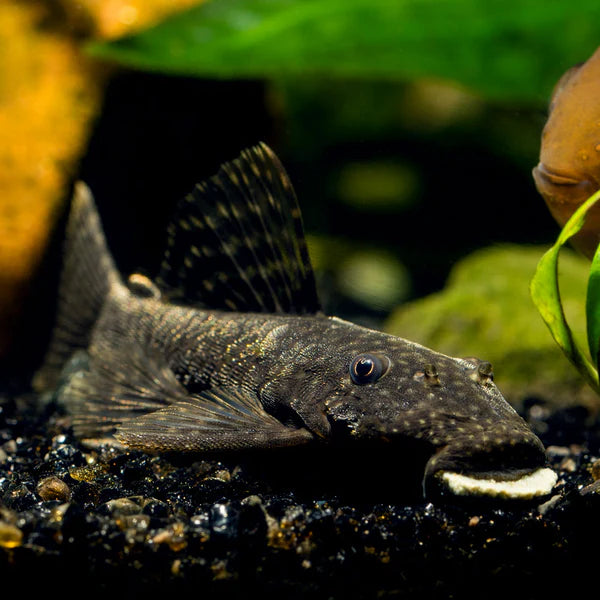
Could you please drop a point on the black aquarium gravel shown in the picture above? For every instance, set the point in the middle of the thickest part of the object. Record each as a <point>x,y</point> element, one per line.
<point>105,523</point>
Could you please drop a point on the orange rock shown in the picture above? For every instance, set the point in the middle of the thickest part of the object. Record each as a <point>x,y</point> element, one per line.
<point>47,97</point>
<point>569,169</point>
<point>49,94</point>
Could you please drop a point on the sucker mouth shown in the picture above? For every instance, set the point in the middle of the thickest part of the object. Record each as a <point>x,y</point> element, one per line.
<point>536,483</point>
<point>516,469</point>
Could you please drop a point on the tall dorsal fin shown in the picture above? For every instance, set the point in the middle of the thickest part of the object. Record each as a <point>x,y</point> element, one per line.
<point>237,242</point>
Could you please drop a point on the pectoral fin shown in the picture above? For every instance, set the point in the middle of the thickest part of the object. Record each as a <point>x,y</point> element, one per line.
<point>132,395</point>
<point>217,419</point>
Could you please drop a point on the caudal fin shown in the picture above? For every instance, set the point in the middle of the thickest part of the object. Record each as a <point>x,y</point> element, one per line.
<point>87,275</point>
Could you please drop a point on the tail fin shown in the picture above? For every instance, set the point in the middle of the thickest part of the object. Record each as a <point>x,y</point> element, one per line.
<point>87,275</point>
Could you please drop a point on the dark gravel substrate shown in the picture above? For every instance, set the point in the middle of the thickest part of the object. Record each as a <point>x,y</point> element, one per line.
<point>75,522</point>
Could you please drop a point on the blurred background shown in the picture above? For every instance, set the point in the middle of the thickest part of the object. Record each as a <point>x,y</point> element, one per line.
<point>409,129</point>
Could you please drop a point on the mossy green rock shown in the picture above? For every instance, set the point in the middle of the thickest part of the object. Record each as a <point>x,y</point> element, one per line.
<point>486,311</point>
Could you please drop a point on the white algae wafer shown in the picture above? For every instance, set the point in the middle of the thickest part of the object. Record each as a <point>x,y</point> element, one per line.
<point>538,483</point>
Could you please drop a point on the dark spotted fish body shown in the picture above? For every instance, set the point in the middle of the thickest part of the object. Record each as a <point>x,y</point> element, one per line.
<point>227,349</point>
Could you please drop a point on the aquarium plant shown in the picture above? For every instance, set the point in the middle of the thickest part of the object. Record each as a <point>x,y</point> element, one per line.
<point>545,292</point>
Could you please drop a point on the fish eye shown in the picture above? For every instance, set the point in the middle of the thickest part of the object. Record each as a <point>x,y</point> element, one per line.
<point>367,368</point>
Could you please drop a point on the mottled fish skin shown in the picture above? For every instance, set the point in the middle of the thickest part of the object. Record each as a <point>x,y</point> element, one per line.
<point>151,371</point>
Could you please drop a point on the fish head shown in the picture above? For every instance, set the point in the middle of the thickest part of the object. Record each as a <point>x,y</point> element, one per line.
<point>395,391</point>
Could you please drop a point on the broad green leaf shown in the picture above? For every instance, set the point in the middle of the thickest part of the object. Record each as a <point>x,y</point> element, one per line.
<point>592,307</point>
<point>545,293</point>
<point>504,49</point>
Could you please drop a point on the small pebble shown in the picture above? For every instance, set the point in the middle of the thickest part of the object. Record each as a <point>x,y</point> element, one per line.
<point>176,567</point>
<point>558,451</point>
<point>221,475</point>
<point>87,473</point>
<point>569,465</point>
<point>123,506</point>
<point>53,488</point>
<point>173,536</point>
<point>546,506</point>
<point>10,447</point>
<point>137,522</point>
<point>58,512</point>
<point>10,535</point>
<point>592,488</point>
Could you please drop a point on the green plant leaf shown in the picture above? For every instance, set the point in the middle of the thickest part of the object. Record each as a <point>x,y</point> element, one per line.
<point>502,48</point>
<point>545,293</point>
<point>592,307</point>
